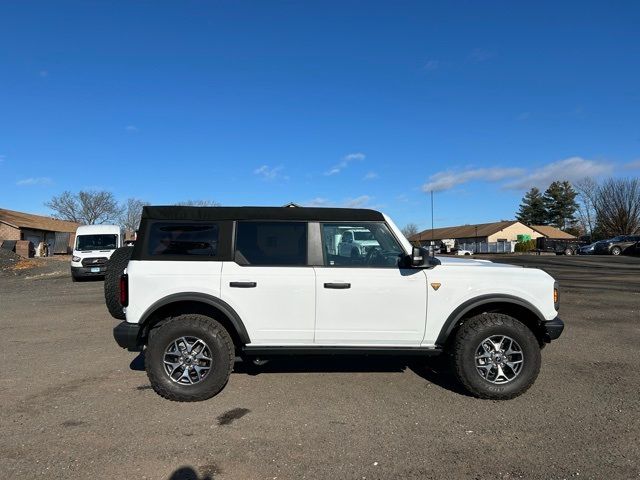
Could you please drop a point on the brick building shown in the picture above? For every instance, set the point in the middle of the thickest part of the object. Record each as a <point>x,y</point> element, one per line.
<point>59,234</point>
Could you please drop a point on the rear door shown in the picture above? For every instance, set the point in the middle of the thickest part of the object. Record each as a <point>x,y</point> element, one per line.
<point>270,283</point>
<point>366,298</point>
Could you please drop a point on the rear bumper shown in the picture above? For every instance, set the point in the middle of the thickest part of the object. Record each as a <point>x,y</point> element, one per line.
<point>552,329</point>
<point>87,271</point>
<point>128,335</point>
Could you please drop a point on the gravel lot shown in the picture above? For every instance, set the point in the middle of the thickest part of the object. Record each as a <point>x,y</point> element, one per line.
<point>77,406</point>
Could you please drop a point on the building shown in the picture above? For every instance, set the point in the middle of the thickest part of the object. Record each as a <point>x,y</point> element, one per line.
<point>59,234</point>
<point>504,231</point>
<point>552,232</point>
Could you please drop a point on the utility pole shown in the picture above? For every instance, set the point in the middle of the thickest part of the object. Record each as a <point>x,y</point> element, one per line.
<point>433,247</point>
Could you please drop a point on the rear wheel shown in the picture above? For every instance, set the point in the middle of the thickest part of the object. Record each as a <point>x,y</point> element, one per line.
<point>115,266</point>
<point>616,251</point>
<point>189,358</point>
<point>568,251</point>
<point>496,356</point>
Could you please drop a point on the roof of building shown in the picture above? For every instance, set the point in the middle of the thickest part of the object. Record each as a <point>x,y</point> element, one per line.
<point>551,232</point>
<point>463,231</point>
<point>261,213</point>
<point>37,222</point>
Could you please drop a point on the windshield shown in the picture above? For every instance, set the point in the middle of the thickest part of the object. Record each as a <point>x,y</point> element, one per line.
<point>617,239</point>
<point>96,242</point>
<point>363,236</point>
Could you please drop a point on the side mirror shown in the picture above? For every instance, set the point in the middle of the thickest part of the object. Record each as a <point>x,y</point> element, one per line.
<point>417,257</point>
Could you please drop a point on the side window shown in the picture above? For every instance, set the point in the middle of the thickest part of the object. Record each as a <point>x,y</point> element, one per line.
<point>169,238</point>
<point>271,243</point>
<point>372,245</point>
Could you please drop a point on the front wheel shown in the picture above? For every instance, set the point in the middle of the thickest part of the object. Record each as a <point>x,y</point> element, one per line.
<point>616,251</point>
<point>496,356</point>
<point>568,251</point>
<point>189,358</point>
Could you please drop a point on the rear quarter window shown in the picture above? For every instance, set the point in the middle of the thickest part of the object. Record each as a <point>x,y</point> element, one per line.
<point>183,239</point>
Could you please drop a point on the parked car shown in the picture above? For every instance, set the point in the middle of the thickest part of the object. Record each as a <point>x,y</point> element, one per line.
<point>356,243</point>
<point>204,284</point>
<point>92,249</point>
<point>463,252</point>
<point>560,246</point>
<point>587,249</point>
<point>627,244</point>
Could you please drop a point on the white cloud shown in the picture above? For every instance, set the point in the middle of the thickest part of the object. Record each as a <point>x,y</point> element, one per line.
<point>346,160</point>
<point>571,169</point>
<point>269,173</point>
<point>370,176</point>
<point>630,166</point>
<point>363,201</point>
<point>317,202</point>
<point>358,202</point>
<point>131,128</point>
<point>479,55</point>
<point>432,65</point>
<point>448,179</point>
<point>34,181</point>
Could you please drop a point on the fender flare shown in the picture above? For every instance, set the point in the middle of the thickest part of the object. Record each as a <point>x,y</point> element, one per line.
<point>206,299</point>
<point>475,302</point>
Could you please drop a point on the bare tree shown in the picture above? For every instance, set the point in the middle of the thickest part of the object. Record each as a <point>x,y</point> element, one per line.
<point>199,203</point>
<point>86,207</point>
<point>587,189</point>
<point>132,211</point>
<point>618,206</point>
<point>409,230</point>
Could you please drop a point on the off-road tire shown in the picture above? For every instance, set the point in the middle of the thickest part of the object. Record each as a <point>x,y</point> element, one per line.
<point>616,251</point>
<point>468,338</point>
<point>115,266</point>
<point>219,343</point>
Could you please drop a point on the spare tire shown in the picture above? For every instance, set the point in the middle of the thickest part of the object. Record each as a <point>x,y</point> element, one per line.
<point>115,266</point>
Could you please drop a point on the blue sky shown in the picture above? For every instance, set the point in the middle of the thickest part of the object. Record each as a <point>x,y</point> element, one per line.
<point>321,103</point>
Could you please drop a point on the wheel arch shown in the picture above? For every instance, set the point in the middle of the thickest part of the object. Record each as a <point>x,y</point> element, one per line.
<point>195,302</point>
<point>507,304</point>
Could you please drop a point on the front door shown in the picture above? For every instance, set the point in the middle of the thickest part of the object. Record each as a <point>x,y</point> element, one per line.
<point>366,298</point>
<point>270,284</point>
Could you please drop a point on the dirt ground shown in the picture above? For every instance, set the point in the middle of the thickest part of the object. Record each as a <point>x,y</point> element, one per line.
<point>76,406</point>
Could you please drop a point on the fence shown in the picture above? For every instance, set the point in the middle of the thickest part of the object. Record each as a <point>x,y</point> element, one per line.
<point>489,247</point>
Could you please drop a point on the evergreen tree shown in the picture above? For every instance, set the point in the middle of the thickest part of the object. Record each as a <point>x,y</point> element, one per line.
<point>560,204</point>
<point>532,209</point>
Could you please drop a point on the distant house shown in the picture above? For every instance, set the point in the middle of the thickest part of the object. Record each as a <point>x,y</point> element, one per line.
<point>59,234</point>
<point>552,232</point>
<point>504,231</point>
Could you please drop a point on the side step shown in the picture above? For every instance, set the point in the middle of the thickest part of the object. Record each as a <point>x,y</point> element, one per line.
<point>328,350</point>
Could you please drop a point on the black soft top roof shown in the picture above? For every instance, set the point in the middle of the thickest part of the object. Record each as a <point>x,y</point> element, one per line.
<point>261,213</point>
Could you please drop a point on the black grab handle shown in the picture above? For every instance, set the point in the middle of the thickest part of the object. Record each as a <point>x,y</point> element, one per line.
<point>243,284</point>
<point>338,286</point>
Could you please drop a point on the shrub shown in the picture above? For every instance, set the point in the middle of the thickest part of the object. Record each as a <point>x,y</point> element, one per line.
<point>528,246</point>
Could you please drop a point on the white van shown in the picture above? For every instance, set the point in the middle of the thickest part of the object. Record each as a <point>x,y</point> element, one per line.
<point>93,246</point>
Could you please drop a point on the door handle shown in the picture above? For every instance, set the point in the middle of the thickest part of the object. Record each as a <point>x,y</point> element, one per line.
<point>243,284</point>
<point>338,286</point>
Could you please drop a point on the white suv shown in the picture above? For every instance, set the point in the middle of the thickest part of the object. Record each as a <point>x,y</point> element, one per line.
<point>205,284</point>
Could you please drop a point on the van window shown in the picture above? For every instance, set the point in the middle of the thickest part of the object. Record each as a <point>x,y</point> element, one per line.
<point>183,239</point>
<point>96,242</point>
<point>271,243</point>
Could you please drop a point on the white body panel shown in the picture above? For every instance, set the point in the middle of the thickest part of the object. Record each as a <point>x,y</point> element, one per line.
<point>280,310</point>
<point>153,281</point>
<point>461,280</point>
<point>383,306</point>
